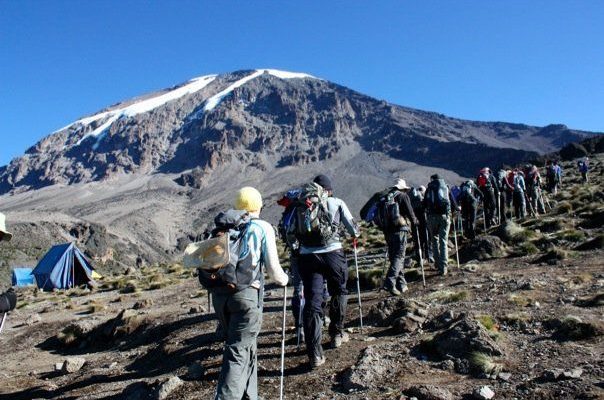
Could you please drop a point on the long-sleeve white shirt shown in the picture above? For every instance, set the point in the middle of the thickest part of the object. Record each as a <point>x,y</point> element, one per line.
<point>263,246</point>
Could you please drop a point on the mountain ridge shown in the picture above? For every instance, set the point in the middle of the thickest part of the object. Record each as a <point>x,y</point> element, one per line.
<point>211,114</point>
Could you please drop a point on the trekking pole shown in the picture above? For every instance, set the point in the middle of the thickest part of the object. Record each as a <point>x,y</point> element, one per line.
<point>356,266</point>
<point>484,219</point>
<point>456,248</point>
<point>2,323</point>
<point>499,209</point>
<point>421,259</point>
<point>384,268</point>
<point>283,342</point>
<point>299,322</point>
<point>530,205</point>
<point>460,223</point>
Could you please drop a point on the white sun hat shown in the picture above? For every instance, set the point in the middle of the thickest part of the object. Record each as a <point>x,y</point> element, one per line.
<point>401,184</point>
<point>6,235</point>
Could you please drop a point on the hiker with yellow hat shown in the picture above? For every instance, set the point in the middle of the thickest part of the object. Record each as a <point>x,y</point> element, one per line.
<point>239,310</point>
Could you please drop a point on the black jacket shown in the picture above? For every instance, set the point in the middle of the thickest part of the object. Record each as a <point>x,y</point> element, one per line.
<point>8,301</point>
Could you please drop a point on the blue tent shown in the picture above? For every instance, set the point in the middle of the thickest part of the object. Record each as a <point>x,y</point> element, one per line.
<point>22,277</point>
<point>63,267</point>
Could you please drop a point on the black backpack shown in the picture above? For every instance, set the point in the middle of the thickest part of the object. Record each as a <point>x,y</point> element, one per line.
<point>311,224</point>
<point>437,198</point>
<point>225,262</point>
<point>388,215</point>
<point>467,192</point>
<point>415,197</point>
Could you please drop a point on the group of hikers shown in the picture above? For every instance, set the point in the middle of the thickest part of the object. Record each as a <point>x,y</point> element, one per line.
<point>312,227</point>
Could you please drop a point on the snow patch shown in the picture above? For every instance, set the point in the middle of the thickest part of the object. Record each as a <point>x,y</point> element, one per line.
<point>213,101</point>
<point>140,107</point>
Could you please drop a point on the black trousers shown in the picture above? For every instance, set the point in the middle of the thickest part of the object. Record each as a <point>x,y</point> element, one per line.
<point>468,213</point>
<point>314,269</point>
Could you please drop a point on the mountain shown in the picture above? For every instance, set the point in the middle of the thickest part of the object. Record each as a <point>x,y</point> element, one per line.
<point>146,174</point>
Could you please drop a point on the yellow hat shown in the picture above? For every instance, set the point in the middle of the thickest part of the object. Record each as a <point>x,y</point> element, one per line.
<point>248,199</point>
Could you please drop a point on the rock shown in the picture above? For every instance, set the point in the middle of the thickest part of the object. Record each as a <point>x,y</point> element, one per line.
<point>464,337</point>
<point>130,271</point>
<point>166,388</point>
<point>136,391</point>
<point>504,376</point>
<point>572,374</point>
<point>574,328</point>
<point>78,332</point>
<point>483,393</point>
<point>408,323</point>
<point>447,365</point>
<point>442,321</point>
<point>33,319</point>
<point>196,371</point>
<point>551,375</point>
<point>73,364</point>
<point>591,244</point>
<point>125,323</point>
<point>484,247</point>
<point>370,366</point>
<point>199,309</point>
<point>59,366</point>
<point>388,312</point>
<point>145,303</point>
<point>429,392</point>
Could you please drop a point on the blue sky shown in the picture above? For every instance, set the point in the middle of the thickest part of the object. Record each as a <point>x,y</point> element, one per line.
<point>536,62</point>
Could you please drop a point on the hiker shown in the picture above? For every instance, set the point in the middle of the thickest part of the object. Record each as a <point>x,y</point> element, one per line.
<point>583,166</point>
<point>469,197</point>
<point>8,299</point>
<point>505,193</point>
<point>293,247</point>
<point>487,184</point>
<point>322,258</point>
<point>240,311</point>
<point>533,189</point>
<point>519,194</point>
<point>438,204</point>
<point>553,176</point>
<point>395,215</point>
<point>416,196</point>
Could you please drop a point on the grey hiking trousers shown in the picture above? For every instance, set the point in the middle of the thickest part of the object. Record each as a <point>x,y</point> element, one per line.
<point>439,225</point>
<point>240,314</point>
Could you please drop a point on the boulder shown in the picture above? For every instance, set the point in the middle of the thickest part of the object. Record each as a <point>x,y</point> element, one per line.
<point>165,389</point>
<point>484,247</point>
<point>145,303</point>
<point>125,323</point>
<point>429,392</point>
<point>483,393</point>
<point>394,311</point>
<point>370,366</point>
<point>464,337</point>
<point>73,364</point>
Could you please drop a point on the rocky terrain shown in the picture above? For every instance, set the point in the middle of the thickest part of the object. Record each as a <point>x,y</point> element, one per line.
<point>135,182</point>
<point>521,318</point>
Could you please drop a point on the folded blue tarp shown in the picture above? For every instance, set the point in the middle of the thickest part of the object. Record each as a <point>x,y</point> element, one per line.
<point>22,277</point>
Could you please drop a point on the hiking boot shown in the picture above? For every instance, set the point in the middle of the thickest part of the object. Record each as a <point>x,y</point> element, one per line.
<point>402,289</point>
<point>316,362</point>
<point>443,271</point>
<point>326,321</point>
<point>393,291</point>
<point>338,339</point>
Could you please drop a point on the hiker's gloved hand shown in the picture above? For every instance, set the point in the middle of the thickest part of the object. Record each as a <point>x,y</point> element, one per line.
<point>355,241</point>
<point>416,222</point>
<point>8,301</point>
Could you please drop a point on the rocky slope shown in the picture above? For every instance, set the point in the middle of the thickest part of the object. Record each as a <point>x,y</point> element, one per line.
<point>151,172</point>
<point>521,319</point>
